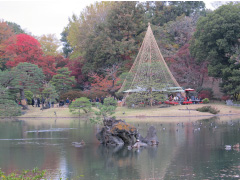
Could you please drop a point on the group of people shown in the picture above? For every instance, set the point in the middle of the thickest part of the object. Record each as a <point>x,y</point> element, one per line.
<point>193,99</point>
<point>98,99</point>
<point>63,103</point>
<point>36,102</point>
<point>67,102</point>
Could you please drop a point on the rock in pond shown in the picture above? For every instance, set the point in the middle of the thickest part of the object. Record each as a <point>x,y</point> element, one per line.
<point>118,132</point>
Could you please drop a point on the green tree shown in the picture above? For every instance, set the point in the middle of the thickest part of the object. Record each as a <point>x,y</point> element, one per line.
<point>216,41</point>
<point>29,96</point>
<point>109,33</point>
<point>230,81</point>
<point>216,36</point>
<point>8,107</point>
<point>105,34</point>
<point>105,110</point>
<point>63,81</point>
<point>162,12</point>
<point>67,49</point>
<point>16,28</point>
<point>79,104</point>
<point>49,93</point>
<point>82,27</point>
<point>115,41</point>
<point>25,76</point>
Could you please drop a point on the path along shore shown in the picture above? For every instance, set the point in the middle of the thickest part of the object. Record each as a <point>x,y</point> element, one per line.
<point>156,113</point>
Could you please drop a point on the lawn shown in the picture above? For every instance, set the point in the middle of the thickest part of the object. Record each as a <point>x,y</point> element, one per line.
<point>124,112</point>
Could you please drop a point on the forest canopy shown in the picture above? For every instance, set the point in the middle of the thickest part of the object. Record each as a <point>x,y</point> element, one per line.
<point>100,44</point>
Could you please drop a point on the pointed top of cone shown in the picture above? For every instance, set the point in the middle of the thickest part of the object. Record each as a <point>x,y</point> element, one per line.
<point>149,69</point>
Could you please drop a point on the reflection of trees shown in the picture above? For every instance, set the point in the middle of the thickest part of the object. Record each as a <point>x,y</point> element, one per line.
<point>180,153</point>
<point>119,163</point>
<point>152,151</point>
<point>202,155</point>
<point>13,156</point>
<point>150,162</point>
<point>27,154</point>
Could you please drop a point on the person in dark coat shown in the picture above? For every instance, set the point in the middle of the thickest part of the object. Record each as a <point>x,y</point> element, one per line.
<point>102,99</point>
<point>38,102</point>
<point>32,102</point>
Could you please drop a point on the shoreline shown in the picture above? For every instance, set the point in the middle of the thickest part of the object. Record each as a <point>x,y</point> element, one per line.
<point>137,116</point>
<point>153,113</point>
<point>141,116</point>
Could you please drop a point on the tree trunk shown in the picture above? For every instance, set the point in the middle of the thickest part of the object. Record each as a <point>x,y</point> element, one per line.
<point>151,99</point>
<point>23,99</point>
<point>235,96</point>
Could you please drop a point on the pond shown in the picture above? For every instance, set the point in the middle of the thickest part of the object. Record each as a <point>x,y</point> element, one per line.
<point>187,150</point>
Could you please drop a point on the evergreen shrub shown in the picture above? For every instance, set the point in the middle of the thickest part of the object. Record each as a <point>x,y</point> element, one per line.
<point>29,96</point>
<point>134,100</point>
<point>9,108</point>
<point>105,110</point>
<point>205,101</point>
<point>80,104</point>
<point>208,109</point>
<point>143,99</point>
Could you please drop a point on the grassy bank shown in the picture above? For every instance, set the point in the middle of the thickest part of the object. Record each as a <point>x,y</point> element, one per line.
<point>179,110</point>
<point>156,111</point>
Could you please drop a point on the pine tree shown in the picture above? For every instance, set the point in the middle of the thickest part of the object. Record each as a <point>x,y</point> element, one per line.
<point>63,81</point>
<point>8,107</point>
<point>25,76</point>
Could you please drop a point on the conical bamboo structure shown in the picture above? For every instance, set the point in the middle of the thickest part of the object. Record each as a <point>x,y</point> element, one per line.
<point>149,71</point>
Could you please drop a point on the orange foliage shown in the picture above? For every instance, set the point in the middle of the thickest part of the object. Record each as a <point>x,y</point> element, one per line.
<point>107,84</point>
<point>25,48</point>
<point>122,126</point>
<point>5,31</point>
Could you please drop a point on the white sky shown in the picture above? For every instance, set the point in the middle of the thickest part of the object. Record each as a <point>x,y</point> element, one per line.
<point>43,16</point>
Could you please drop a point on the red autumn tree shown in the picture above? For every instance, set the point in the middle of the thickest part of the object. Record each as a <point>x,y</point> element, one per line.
<point>48,66</point>
<point>61,61</point>
<point>186,70</point>
<point>25,48</point>
<point>107,83</point>
<point>75,66</point>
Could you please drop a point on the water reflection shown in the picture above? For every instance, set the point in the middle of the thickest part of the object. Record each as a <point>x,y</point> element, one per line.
<point>187,150</point>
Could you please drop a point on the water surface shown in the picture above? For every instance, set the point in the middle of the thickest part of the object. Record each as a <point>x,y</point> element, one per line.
<point>187,150</point>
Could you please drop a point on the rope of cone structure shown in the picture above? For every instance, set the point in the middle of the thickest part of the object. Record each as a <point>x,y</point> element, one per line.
<point>149,67</point>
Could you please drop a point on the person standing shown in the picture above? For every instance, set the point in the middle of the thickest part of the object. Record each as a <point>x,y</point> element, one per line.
<point>97,101</point>
<point>102,99</point>
<point>67,101</point>
<point>32,102</point>
<point>38,102</point>
<point>35,102</point>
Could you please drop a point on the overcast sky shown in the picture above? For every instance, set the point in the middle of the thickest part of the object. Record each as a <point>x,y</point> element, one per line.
<point>42,16</point>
